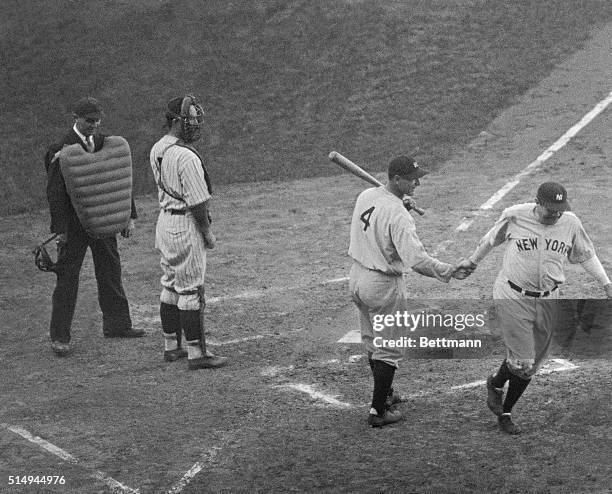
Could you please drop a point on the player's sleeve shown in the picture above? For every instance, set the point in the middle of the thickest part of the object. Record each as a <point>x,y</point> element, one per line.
<point>434,268</point>
<point>494,237</point>
<point>193,181</point>
<point>412,252</point>
<point>582,246</point>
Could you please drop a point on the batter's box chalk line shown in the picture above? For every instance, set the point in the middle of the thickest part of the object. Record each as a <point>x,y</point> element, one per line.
<point>318,396</point>
<point>194,470</point>
<point>552,365</point>
<point>114,485</point>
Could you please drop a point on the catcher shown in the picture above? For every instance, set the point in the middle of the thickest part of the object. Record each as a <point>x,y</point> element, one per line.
<point>183,233</point>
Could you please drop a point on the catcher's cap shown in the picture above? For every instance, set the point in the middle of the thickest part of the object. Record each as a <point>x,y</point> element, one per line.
<point>174,105</point>
<point>553,196</point>
<point>405,166</point>
<point>88,108</point>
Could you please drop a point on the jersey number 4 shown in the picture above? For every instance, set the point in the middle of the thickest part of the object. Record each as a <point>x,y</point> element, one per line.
<point>365,217</point>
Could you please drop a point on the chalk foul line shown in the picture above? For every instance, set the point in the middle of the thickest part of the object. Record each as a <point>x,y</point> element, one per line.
<point>534,165</point>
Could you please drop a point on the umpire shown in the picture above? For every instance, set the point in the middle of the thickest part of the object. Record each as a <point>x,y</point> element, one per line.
<point>73,242</point>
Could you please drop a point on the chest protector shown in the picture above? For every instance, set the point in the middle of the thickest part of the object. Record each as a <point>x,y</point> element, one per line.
<point>100,185</point>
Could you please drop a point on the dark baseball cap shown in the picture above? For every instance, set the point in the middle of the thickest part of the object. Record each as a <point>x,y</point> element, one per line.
<point>88,108</point>
<point>405,166</point>
<point>553,196</point>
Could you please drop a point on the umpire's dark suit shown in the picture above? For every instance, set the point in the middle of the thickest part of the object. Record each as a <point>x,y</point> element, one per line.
<point>111,296</point>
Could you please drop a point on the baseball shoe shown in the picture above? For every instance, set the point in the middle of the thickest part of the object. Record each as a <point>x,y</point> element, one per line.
<point>506,424</point>
<point>174,355</point>
<point>61,349</point>
<point>128,333</point>
<point>206,362</point>
<point>494,397</point>
<point>389,417</point>
<point>393,399</point>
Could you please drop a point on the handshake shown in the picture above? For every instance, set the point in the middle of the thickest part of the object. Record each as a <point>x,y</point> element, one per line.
<point>463,269</point>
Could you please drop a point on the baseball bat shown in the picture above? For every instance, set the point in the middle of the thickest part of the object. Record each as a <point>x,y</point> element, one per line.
<point>348,165</point>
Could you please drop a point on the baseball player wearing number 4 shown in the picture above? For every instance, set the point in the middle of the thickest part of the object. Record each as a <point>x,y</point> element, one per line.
<point>383,245</point>
<point>183,233</point>
<point>540,238</point>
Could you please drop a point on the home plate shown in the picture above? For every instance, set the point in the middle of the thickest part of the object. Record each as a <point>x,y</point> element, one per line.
<point>557,365</point>
<point>353,336</point>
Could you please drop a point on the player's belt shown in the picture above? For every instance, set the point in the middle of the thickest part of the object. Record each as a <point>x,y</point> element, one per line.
<point>179,212</point>
<point>529,293</point>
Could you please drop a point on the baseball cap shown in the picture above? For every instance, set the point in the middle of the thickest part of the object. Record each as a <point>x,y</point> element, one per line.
<point>88,108</point>
<point>405,166</point>
<point>553,196</point>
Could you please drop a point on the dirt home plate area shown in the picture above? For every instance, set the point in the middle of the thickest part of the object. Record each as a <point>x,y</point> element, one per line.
<point>288,414</point>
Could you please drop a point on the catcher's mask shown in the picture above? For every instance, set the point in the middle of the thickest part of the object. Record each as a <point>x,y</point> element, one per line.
<point>42,258</point>
<point>191,120</point>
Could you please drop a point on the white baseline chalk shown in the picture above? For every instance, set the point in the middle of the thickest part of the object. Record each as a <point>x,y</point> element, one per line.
<point>250,294</point>
<point>562,141</point>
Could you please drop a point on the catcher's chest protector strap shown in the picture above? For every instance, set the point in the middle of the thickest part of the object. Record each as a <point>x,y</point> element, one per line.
<point>100,185</point>
<point>206,176</point>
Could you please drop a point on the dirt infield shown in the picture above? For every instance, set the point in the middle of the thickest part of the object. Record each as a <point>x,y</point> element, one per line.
<point>289,413</point>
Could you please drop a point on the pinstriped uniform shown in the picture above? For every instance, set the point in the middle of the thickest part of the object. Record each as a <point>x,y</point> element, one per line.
<point>177,237</point>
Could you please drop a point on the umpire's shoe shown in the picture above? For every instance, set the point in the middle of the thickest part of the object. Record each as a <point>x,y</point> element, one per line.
<point>494,397</point>
<point>389,417</point>
<point>206,362</point>
<point>506,424</point>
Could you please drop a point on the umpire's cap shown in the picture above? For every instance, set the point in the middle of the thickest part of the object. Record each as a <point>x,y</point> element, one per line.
<point>405,166</point>
<point>553,196</point>
<point>88,107</point>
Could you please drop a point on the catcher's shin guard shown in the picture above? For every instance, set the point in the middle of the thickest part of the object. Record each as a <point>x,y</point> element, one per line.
<point>191,324</point>
<point>171,320</point>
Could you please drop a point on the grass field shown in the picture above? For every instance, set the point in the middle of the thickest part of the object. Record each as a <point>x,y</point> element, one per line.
<point>283,82</point>
<point>289,412</point>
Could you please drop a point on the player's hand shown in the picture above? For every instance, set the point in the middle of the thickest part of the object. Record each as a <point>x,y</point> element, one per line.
<point>463,269</point>
<point>129,229</point>
<point>209,240</point>
<point>61,238</point>
<point>608,289</point>
<point>409,202</point>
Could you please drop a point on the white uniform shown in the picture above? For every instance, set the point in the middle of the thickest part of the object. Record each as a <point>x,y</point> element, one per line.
<point>526,289</point>
<point>181,185</point>
<point>383,245</point>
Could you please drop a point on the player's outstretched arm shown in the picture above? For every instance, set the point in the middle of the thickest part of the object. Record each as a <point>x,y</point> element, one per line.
<point>594,267</point>
<point>433,268</point>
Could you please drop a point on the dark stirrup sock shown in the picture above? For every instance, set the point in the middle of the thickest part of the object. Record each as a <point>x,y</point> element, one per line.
<point>515,389</point>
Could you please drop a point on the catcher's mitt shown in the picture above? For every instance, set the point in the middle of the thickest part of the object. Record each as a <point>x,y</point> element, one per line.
<point>42,258</point>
